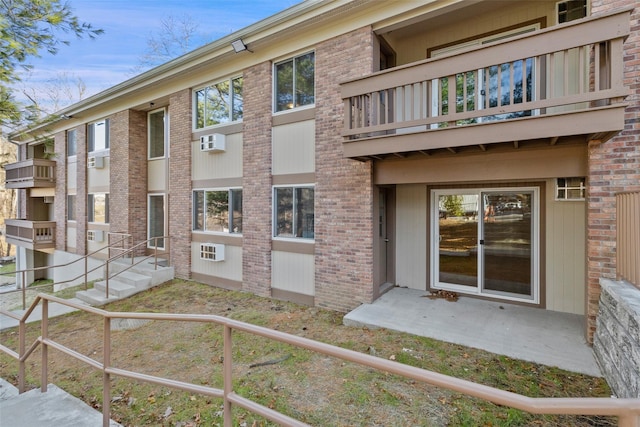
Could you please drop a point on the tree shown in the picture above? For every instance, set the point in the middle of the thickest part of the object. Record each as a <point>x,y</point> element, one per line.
<point>175,37</point>
<point>7,197</point>
<point>57,92</point>
<point>28,28</point>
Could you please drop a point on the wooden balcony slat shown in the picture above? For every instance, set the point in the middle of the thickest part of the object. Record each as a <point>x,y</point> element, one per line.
<point>35,235</point>
<point>434,94</point>
<point>535,105</point>
<point>581,32</point>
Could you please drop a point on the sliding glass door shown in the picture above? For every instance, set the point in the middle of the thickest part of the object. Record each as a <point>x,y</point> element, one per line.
<point>485,242</point>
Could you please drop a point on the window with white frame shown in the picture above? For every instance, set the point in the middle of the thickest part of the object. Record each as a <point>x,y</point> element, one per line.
<point>218,210</point>
<point>71,143</point>
<point>294,82</point>
<point>71,207</point>
<point>98,208</point>
<point>219,103</point>
<point>156,134</point>
<point>293,212</point>
<point>98,135</point>
<point>573,188</point>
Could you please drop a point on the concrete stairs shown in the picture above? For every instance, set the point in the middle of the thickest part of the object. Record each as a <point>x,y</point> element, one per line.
<point>126,282</point>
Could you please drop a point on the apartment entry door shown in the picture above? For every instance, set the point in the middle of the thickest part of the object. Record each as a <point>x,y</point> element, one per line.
<point>486,242</point>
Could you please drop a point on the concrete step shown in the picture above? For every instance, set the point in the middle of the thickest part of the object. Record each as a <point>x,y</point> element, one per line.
<point>95,297</point>
<point>53,408</point>
<point>137,280</point>
<point>158,274</point>
<point>117,288</point>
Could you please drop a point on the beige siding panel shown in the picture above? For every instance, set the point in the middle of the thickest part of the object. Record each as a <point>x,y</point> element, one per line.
<point>411,236</point>
<point>72,177</point>
<point>157,175</point>
<point>71,237</point>
<point>210,165</point>
<point>230,268</point>
<point>99,177</point>
<point>566,256</point>
<point>293,272</point>
<point>294,148</point>
<point>484,18</point>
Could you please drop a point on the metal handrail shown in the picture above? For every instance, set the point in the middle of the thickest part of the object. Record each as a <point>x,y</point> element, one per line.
<point>627,410</point>
<point>84,259</point>
<point>131,251</point>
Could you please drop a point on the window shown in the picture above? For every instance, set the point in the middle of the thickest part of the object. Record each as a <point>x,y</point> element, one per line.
<point>294,214</point>
<point>156,131</point>
<point>571,9</point>
<point>98,208</point>
<point>71,143</point>
<point>71,207</point>
<point>219,103</point>
<point>98,135</point>
<point>294,82</point>
<point>219,210</point>
<point>156,220</point>
<point>570,188</point>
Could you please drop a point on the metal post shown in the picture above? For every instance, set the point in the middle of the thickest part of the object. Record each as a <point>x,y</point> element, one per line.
<point>45,348</point>
<point>227,366</point>
<point>22,330</point>
<point>106,378</point>
<point>86,267</point>
<point>629,420</point>
<point>24,289</point>
<point>107,280</point>
<point>155,253</point>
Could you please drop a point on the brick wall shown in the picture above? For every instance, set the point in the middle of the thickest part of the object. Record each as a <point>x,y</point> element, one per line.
<point>343,194</point>
<point>119,161</point>
<point>180,182</point>
<point>613,167</point>
<point>256,182</point>
<point>81,185</point>
<point>128,174</point>
<point>60,199</point>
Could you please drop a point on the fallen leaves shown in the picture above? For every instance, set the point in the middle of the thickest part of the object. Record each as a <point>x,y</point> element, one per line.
<point>441,293</point>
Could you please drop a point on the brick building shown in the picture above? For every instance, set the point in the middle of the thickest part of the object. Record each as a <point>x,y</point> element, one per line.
<point>359,145</point>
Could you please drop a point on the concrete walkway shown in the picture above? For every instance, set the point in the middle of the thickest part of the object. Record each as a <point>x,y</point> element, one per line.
<point>53,408</point>
<point>532,334</point>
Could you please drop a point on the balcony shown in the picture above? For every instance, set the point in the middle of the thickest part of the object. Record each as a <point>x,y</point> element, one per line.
<point>35,235</point>
<point>31,173</point>
<point>559,84</point>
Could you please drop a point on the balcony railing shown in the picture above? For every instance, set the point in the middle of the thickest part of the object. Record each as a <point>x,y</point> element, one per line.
<point>31,173</point>
<point>36,235</point>
<point>565,69</point>
<point>628,237</point>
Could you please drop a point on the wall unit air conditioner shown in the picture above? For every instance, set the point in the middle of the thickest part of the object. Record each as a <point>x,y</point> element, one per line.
<point>48,199</point>
<point>213,143</point>
<point>94,162</point>
<point>95,236</point>
<point>212,251</point>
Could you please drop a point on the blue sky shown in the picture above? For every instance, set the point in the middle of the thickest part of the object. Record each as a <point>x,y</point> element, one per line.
<point>128,24</point>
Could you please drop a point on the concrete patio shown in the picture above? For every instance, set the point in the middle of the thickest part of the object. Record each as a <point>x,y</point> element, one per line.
<point>541,336</point>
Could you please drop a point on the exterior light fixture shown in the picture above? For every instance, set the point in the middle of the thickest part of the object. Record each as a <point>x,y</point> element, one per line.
<point>239,46</point>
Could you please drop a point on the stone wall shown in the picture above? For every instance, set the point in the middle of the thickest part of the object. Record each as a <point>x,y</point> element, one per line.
<point>616,343</point>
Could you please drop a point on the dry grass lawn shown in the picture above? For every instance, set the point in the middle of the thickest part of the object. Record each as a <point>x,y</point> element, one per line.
<point>316,389</point>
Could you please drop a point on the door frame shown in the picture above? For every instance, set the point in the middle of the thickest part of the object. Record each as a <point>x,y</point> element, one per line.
<point>384,261</point>
<point>478,290</point>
